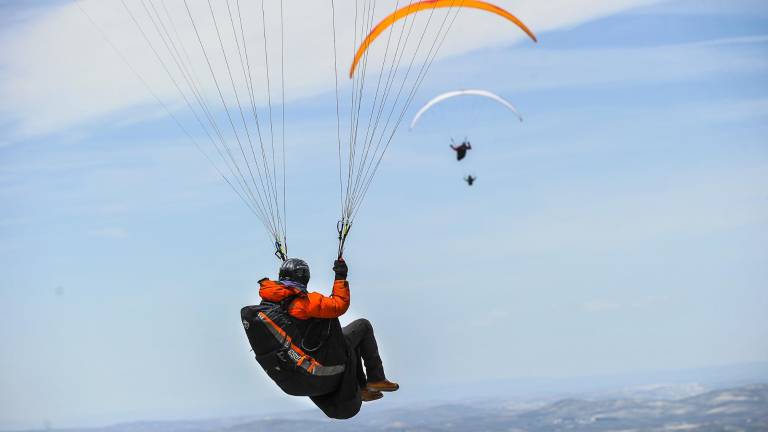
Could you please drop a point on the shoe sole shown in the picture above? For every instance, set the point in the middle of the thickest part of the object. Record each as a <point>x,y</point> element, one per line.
<point>389,390</point>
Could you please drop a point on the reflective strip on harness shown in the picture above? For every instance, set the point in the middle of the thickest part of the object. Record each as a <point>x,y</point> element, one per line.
<point>302,360</point>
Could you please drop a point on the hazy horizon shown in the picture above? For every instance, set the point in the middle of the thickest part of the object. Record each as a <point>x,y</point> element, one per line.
<point>516,397</point>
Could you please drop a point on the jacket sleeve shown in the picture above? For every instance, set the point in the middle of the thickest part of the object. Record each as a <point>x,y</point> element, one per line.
<point>316,305</point>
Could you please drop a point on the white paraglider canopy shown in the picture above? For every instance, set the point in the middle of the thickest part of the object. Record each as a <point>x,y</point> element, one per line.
<point>469,92</point>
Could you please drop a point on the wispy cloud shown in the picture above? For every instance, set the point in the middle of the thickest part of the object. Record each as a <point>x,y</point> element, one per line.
<point>112,180</point>
<point>56,71</point>
<point>746,40</point>
<point>531,70</point>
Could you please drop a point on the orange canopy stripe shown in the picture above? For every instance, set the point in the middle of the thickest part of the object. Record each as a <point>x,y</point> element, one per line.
<point>431,4</point>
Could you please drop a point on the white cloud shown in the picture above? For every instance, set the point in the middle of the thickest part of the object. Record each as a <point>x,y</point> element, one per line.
<point>58,71</point>
<point>588,67</point>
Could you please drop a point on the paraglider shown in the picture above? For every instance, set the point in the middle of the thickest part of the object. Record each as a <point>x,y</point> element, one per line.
<point>470,92</point>
<point>462,149</point>
<point>299,342</point>
<point>426,5</point>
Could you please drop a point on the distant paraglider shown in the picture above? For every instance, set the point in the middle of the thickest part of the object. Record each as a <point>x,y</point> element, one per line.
<point>461,149</point>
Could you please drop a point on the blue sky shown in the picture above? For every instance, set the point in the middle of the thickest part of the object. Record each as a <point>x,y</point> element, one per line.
<point>621,227</point>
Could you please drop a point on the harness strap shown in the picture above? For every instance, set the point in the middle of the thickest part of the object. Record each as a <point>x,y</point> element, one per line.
<point>302,360</point>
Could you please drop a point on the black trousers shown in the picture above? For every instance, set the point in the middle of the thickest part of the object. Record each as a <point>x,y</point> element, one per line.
<point>359,336</point>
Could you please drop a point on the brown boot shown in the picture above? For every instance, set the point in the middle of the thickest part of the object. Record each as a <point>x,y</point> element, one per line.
<point>383,386</point>
<point>370,395</point>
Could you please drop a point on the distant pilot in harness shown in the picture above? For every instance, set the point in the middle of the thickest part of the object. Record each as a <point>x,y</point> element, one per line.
<point>470,180</point>
<point>461,150</point>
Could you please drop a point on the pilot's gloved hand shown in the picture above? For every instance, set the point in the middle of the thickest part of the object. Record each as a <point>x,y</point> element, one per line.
<point>340,269</point>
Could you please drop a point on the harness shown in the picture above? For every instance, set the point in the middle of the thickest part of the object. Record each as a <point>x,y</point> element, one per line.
<point>296,354</point>
<point>293,351</point>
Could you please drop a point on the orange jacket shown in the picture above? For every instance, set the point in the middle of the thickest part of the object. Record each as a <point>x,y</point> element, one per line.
<point>308,305</point>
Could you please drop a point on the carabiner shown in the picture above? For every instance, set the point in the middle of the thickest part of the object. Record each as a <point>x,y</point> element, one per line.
<point>279,252</point>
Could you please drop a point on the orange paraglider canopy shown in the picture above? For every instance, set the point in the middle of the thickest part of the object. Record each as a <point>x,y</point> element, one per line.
<point>431,4</point>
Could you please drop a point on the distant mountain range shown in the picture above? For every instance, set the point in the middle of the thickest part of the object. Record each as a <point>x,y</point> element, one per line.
<point>742,408</point>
